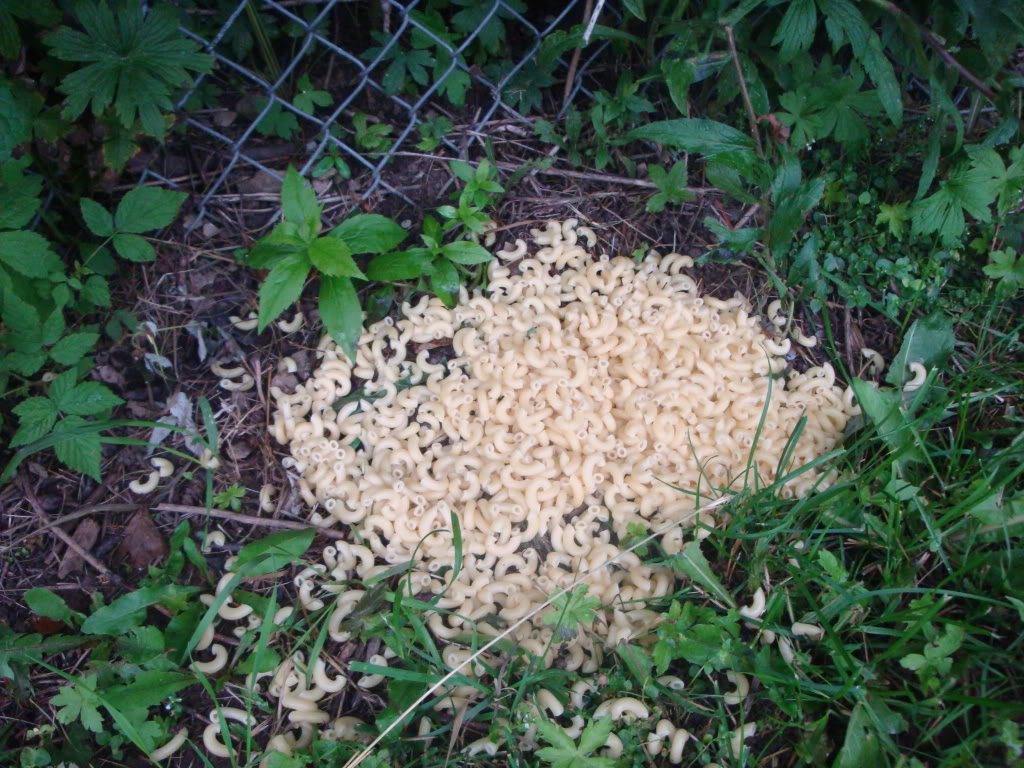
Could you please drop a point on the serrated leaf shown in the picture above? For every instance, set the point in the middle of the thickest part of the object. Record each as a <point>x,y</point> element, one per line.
<point>28,253</point>
<point>692,562</point>
<point>78,701</point>
<point>894,216</point>
<point>370,233</point>
<point>341,313</point>
<point>97,291</point>
<point>88,399</point>
<point>37,416</point>
<point>401,265</point>
<point>80,452</point>
<point>73,348</point>
<point>880,70</point>
<point>796,30</point>
<point>133,248</point>
<point>141,645</point>
<point>53,327</point>
<point>144,209</point>
<point>20,317</point>
<point>703,137</point>
<point>298,200</point>
<point>332,256</point>
<point>595,735</point>
<point>282,287</point>
<point>97,218</point>
<point>465,252</point>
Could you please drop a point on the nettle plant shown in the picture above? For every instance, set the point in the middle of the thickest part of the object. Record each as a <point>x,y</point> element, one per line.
<point>40,293</point>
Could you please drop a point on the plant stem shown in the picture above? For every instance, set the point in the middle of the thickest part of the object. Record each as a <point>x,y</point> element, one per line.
<point>751,115</point>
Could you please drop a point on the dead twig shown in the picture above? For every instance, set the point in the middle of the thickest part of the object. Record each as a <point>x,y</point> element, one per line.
<point>751,115</point>
<point>61,534</point>
<point>238,517</point>
<point>575,61</point>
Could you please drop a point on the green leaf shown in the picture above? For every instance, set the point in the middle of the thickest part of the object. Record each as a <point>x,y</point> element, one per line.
<point>564,753</point>
<point>146,208</point>
<point>78,701</point>
<point>88,399</point>
<point>796,30</point>
<point>149,688</point>
<point>370,233</point>
<point>97,291</point>
<point>596,734</point>
<point>929,341</point>
<point>97,218</point>
<point>882,408</point>
<point>465,252</point>
<point>134,248</point>
<point>37,415</point>
<point>894,216</point>
<point>693,563</point>
<point>880,70</point>
<point>341,313</point>
<point>703,137</point>
<point>860,747</point>
<point>570,609</point>
<point>401,265</point>
<point>282,287</point>
<point>444,281</point>
<point>298,200</point>
<point>141,645</point>
<point>272,552</point>
<point>636,8</point>
<point>125,613</point>
<point>20,317</point>
<point>73,348</point>
<point>332,256</point>
<point>43,602</point>
<point>28,253</point>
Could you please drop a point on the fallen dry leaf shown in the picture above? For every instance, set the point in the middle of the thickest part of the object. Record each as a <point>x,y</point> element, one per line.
<point>85,536</point>
<point>46,626</point>
<point>142,541</point>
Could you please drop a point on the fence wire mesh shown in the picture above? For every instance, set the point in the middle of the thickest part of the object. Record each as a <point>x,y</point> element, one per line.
<point>357,81</point>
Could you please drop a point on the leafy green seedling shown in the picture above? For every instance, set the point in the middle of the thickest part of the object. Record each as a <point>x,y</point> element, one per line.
<point>1007,268</point>
<point>295,247</point>
<point>566,753</point>
<point>370,136</point>
<point>671,187</point>
<point>230,498</point>
<point>435,261</point>
<point>934,664</point>
<point>308,98</point>
<point>572,609</point>
<point>144,209</point>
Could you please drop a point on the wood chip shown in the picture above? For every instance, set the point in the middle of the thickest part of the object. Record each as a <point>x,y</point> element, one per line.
<point>142,541</point>
<point>85,536</point>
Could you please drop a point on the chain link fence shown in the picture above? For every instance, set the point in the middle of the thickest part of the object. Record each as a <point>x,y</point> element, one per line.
<point>357,81</point>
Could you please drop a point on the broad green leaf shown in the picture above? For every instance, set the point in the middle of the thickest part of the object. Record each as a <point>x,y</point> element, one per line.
<point>703,137</point>
<point>298,200</point>
<point>126,612</point>
<point>341,313</point>
<point>88,399</point>
<point>134,248</point>
<point>860,747</point>
<point>929,341</point>
<point>148,689</point>
<point>282,287</point>
<point>881,72</point>
<point>97,290</point>
<point>28,253</point>
<point>20,317</point>
<point>272,552</point>
<point>141,645</point>
<point>144,209</point>
<point>370,233</point>
<point>596,734</point>
<point>465,252</point>
<point>692,562</point>
<point>400,265</point>
<point>444,281</point>
<point>332,256</point>
<point>43,602</point>
<point>894,216</point>
<point>266,253</point>
<point>882,408</point>
<point>97,218</point>
<point>81,452</point>
<point>73,348</point>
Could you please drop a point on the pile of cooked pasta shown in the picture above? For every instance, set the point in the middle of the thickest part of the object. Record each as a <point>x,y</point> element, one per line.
<point>584,400</point>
